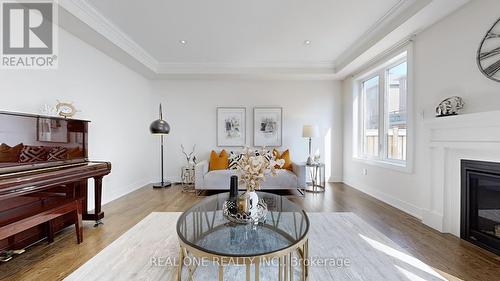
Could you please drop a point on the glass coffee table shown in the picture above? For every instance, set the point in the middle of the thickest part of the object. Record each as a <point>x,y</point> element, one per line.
<point>280,242</point>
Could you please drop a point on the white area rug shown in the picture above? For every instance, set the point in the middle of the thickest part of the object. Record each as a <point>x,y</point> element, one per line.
<point>371,255</point>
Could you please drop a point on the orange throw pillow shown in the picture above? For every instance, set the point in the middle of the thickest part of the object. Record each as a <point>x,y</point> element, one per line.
<point>218,161</point>
<point>10,154</point>
<point>285,156</point>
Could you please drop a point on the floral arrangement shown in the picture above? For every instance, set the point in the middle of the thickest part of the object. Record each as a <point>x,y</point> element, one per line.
<point>254,167</point>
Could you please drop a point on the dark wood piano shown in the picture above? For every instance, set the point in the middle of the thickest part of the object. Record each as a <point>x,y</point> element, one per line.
<point>44,169</point>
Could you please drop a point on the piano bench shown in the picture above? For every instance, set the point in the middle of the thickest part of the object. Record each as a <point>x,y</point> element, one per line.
<point>44,214</point>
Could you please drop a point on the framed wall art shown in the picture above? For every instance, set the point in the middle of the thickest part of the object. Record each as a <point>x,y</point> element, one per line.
<point>268,127</point>
<point>231,126</point>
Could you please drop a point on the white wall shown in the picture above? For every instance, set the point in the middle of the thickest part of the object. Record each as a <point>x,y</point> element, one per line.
<point>190,108</point>
<point>444,66</point>
<point>116,100</point>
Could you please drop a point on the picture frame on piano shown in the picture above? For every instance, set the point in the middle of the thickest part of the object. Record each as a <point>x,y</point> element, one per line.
<point>52,130</point>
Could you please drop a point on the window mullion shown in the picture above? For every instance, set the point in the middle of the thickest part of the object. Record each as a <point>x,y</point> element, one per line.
<point>381,126</point>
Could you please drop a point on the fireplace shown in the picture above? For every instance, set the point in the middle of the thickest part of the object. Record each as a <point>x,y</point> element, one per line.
<point>480,204</point>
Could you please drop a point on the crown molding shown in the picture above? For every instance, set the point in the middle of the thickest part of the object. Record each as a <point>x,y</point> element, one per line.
<point>396,16</point>
<point>86,13</point>
<point>250,67</point>
<point>406,17</point>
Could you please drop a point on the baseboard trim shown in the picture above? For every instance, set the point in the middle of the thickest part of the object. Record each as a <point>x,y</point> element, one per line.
<point>433,219</point>
<point>386,198</point>
<point>335,179</point>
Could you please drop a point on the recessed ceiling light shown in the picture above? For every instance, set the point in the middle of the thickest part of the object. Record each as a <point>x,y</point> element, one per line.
<point>307,42</point>
<point>183,42</point>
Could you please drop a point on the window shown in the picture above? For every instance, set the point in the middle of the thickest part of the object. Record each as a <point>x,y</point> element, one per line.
<point>381,103</point>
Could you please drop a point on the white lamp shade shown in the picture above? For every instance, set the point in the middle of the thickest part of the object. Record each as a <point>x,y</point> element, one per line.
<point>310,131</point>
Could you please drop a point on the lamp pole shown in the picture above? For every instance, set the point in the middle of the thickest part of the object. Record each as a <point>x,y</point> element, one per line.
<point>309,159</point>
<point>161,127</point>
<point>162,181</point>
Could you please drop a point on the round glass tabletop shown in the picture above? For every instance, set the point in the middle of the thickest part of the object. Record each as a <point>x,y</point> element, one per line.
<point>205,228</point>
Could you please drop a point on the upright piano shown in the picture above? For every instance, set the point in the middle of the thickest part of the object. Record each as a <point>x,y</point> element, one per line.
<point>43,163</point>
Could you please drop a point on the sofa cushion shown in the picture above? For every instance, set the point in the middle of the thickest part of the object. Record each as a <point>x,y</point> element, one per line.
<point>219,179</point>
<point>218,161</point>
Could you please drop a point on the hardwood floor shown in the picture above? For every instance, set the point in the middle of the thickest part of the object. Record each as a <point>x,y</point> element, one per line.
<point>445,252</point>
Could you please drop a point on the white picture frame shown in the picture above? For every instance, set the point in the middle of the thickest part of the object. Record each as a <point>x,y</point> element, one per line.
<point>231,126</point>
<point>267,126</point>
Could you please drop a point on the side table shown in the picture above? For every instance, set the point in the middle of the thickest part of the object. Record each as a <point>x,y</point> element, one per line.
<point>317,175</point>
<point>187,178</point>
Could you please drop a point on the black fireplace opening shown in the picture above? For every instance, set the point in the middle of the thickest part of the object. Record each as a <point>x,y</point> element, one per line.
<point>480,204</point>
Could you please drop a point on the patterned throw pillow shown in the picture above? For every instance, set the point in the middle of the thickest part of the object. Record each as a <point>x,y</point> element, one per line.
<point>234,157</point>
<point>31,154</point>
<point>57,154</point>
<point>267,154</point>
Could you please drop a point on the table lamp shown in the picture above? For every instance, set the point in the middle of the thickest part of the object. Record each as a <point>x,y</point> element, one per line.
<point>310,131</point>
<point>160,127</point>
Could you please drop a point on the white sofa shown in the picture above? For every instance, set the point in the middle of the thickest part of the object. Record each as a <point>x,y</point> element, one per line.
<point>219,179</point>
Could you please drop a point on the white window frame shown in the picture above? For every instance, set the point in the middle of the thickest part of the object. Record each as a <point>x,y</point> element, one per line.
<point>379,68</point>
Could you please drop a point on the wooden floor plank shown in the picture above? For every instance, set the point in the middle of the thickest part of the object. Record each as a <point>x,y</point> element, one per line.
<point>445,252</point>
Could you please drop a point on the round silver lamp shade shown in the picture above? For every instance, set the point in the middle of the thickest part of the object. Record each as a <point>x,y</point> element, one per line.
<point>159,127</point>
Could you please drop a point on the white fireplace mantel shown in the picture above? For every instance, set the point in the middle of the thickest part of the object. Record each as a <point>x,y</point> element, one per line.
<point>469,136</point>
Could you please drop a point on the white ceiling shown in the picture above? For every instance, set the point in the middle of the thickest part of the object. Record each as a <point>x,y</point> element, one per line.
<point>260,38</point>
<point>244,31</point>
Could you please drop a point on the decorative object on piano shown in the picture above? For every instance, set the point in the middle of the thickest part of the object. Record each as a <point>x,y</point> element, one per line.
<point>309,132</point>
<point>52,130</point>
<point>488,54</point>
<point>160,127</point>
<point>66,109</point>
<point>253,168</point>
<point>449,106</point>
<point>190,159</point>
<point>48,110</point>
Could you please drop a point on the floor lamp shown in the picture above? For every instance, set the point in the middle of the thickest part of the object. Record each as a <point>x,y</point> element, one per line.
<point>160,127</point>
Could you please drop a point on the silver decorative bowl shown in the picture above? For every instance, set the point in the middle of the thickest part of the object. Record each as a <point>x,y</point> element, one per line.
<point>244,218</point>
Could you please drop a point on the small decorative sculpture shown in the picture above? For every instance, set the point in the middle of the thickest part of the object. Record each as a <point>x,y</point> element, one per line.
<point>48,110</point>
<point>189,160</point>
<point>449,106</point>
<point>66,109</point>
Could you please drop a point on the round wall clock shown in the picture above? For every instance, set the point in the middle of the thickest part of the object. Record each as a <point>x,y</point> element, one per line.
<point>488,54</point>
<point>65,109</point>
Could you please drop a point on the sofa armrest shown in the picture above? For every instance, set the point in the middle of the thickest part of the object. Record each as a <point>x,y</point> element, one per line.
<point>200,169</point>
<point>300,171</point>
